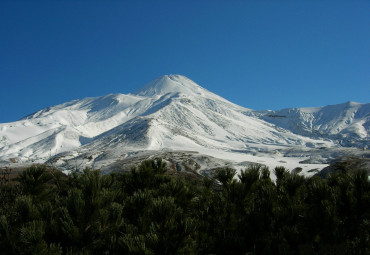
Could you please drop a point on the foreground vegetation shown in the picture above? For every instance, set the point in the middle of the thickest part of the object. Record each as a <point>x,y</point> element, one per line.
<point>147,211</point>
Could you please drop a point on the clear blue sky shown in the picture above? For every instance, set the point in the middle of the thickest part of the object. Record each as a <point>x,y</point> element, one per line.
<point>258,54</point>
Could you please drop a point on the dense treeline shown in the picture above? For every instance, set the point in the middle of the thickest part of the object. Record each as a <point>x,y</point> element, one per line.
<point>147,211</point>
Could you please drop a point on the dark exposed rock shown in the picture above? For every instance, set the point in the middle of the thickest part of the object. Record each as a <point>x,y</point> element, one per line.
<point>297,170</point>
<point>348,164</point>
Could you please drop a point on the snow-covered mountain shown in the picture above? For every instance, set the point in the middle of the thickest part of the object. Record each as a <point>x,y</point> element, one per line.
<point>348,124</point>
<point>174,113</point>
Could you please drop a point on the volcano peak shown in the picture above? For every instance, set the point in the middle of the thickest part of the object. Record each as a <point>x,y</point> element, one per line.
<point>172,83</point>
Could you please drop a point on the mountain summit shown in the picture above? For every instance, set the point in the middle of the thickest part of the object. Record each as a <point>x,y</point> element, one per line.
<point>174,113</point>
<point>170,84</point>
